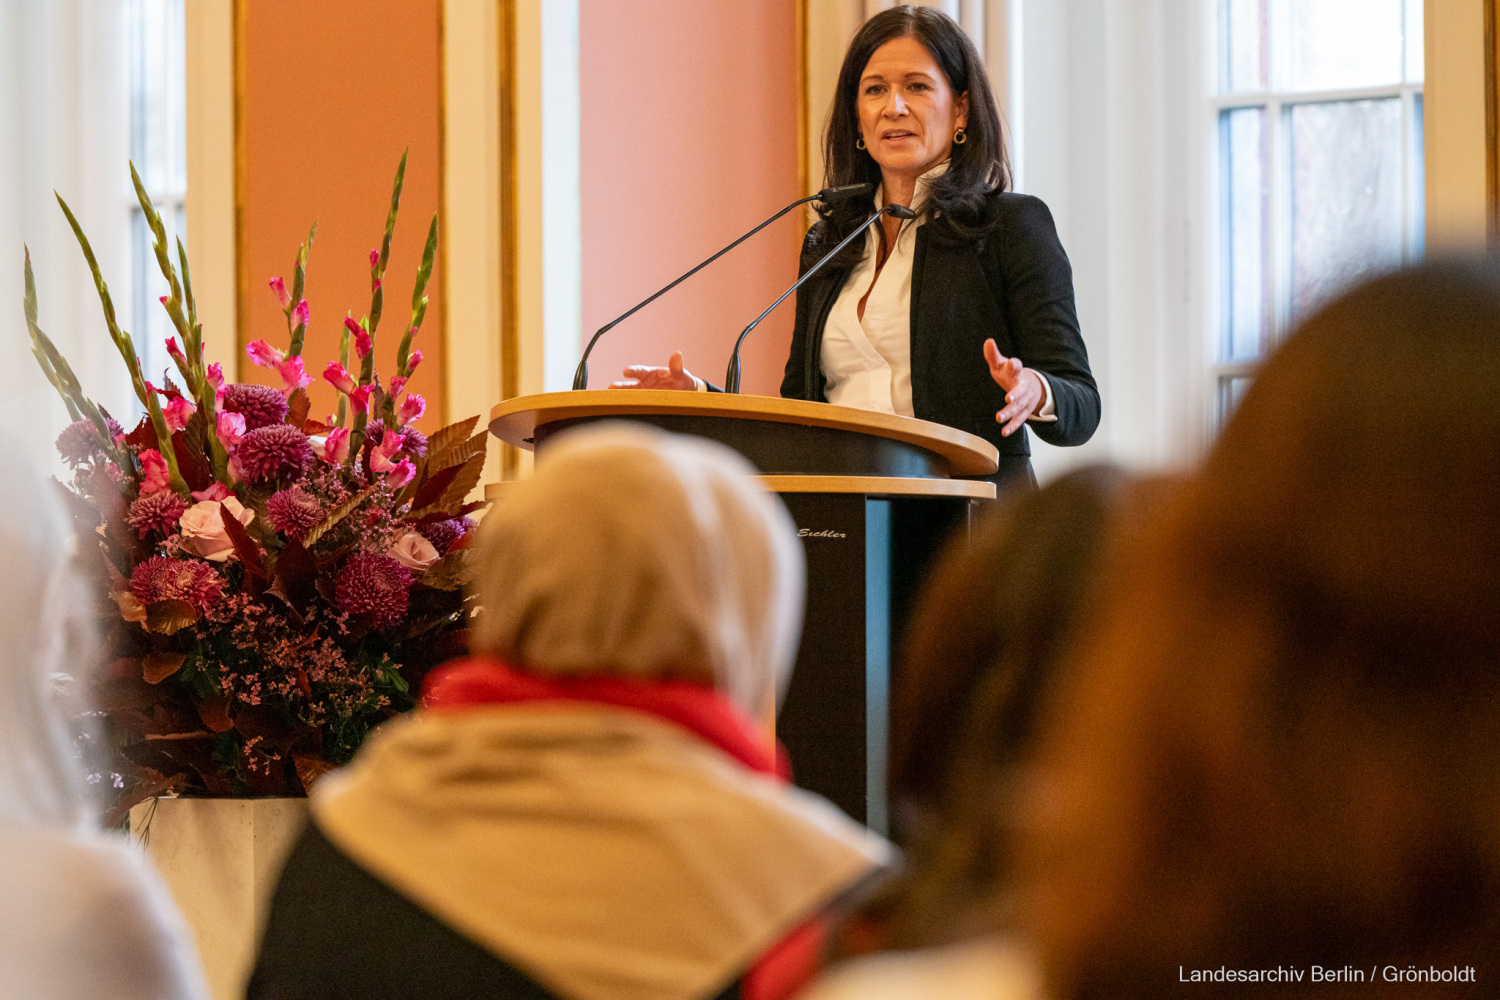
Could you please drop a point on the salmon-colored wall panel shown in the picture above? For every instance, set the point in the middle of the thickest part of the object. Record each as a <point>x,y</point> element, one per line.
<point>689,138</point>
<point>330,94</point>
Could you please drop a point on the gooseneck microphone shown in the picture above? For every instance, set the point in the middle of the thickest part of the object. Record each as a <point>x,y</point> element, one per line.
<point>581,375</point>
<point>732,376</point>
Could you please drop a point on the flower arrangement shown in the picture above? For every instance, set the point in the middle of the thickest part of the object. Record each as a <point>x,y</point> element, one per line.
<point>273,585</point>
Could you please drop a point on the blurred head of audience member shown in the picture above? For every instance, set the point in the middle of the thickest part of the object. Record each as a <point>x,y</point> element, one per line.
<point>589,807</point>
<point>83,914</point>
<point>1280,749</point>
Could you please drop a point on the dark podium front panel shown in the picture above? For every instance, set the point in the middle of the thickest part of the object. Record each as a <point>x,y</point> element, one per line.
<point>866,556</point>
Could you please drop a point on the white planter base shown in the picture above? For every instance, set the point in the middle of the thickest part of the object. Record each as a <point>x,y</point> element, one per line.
<point>221,859</point>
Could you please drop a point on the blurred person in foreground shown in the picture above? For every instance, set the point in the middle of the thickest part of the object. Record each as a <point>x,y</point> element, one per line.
<point>1278,761</point>
<point>981,653</point>
<point>81,912</point>
<point>587,809</point>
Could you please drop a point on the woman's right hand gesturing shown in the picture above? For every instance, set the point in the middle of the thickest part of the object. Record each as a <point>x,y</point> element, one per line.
<point>674,376</point>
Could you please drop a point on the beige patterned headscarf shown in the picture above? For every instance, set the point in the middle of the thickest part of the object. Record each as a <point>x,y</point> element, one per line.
<point>639,553</point>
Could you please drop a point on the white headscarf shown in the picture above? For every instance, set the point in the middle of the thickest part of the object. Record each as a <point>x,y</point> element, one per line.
<point>43,630</point>
<point>640,553</point>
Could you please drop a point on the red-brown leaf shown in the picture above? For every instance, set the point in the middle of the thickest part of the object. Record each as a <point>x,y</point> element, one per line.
<point>296,410</point>
<point>157,667</point>
<point>244,546</point>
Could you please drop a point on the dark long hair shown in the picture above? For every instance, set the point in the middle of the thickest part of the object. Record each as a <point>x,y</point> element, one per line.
<point>976,168</point>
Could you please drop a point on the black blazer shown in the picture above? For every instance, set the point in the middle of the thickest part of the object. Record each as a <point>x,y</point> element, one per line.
<point>1014,284</point>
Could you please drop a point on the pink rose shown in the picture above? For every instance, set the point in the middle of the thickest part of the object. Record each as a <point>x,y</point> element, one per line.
<point>414,552</point>
<point>335,446</point>
<point>203,531</point>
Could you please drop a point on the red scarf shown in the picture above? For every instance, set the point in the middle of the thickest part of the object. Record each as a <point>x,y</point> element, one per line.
<point>702,711</point>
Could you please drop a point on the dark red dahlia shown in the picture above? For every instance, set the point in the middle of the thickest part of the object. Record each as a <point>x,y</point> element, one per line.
<point>293,512</point>
<point>373,586</point>
<point>79,441</point>
<point>162,579</point>
<point>445,534</point>
<point>156,512</point>
<point>260,405</point>
<point>274,452</point>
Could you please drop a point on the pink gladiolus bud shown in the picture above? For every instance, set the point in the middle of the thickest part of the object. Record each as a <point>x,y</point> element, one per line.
<point>282,295</point>
<point>177,411</point>
<point>264,355</point>
<point>216,375</point>
<point>412,360</point>
<point>231,428</point>
<point>338,377</point>
<point>362,344</point>
<point>155,476</point>
<point>217,492</point>
<point>374,259</point>
<point>174,350</point>
<point>397,384</point>
<point>411,408</point>
<point>162,299</point>
<point>359,399</point>
<point>293,375</point>
<point>375,286</point>
<point>403,473</point>
<point>300,314</point>
<point>336,448</point>
<point>352,325</point>
<point>391,442</point>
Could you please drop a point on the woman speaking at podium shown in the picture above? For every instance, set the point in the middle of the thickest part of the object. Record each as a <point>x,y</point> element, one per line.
<point>963,315</point>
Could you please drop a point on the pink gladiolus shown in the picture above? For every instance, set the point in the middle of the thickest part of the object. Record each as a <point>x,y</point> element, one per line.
<point>403,473</point>
<point>263,354</point>
<point>300,314</point>
<point>216,376</point>
<point>374,259</point>
<point>362,344</point>
<point>177,411</point>
<point>155,476</point>
<point>411,408</point>
<point>282,295</point>
<point>412,360</point>
<point>336,448</point>
<point>338,377</point>
<point>375,286</point>
<point>216,492</point>
<point>231,428</point>
<point>175,351</point>
<point>397,384</point>
<point>391,442</point>
<point>293,375</point>
<point>359,399</point>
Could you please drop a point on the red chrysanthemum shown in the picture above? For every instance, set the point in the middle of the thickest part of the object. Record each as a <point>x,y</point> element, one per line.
<point>156,512</point>
<point>414,447</point>
<point>445,534</point>
<point>374,586</point>
<point>162,579</point>
<point>260,405</point>
<point>294,512</point>
<point>79,441</point>
<point>274,452</point>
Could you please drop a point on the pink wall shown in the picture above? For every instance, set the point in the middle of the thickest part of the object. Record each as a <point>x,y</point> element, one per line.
<point>689,138</point>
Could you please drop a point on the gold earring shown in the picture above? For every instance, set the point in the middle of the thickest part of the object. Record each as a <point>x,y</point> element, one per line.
<point>859,143</point>
<point>960,137</point>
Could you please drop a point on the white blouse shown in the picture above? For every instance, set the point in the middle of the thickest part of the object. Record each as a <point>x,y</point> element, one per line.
<point>867,361</point>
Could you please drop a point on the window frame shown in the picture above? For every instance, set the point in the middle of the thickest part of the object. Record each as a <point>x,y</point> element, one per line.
<point>1278,104</point>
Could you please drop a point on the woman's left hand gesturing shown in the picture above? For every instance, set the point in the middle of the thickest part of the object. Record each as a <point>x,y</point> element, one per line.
<point>1023,388</point>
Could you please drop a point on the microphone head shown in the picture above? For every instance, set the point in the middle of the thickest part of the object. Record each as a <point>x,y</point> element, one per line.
<point>900,212</point>
<point>845,191</point>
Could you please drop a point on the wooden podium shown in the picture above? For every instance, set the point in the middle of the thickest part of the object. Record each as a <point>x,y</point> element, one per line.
<point>873,496</point>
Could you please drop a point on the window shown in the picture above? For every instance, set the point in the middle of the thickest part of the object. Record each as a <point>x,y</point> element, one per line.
<point>158,141</point>
<point>1319,137</point>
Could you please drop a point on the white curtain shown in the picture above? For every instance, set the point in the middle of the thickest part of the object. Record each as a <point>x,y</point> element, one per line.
<point>64,126</point>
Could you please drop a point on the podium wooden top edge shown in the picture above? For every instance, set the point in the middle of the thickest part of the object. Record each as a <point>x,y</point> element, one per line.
<point>888,486</point>
<point>515,421</point>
